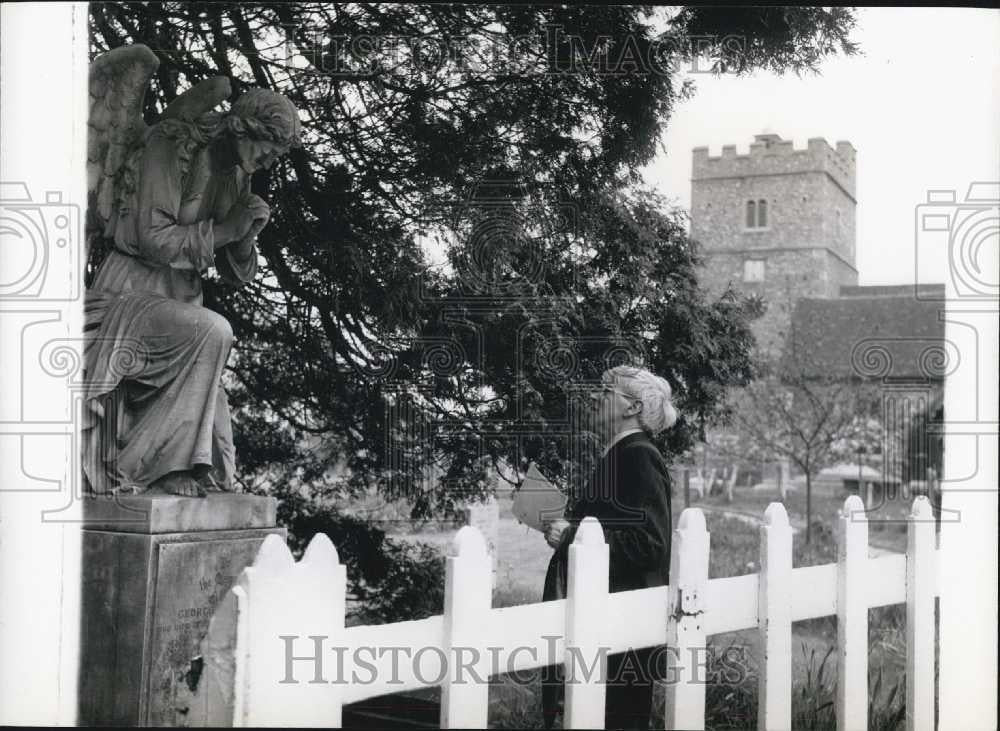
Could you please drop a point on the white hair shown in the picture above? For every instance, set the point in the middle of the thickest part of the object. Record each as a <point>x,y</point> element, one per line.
<point>658,411</point>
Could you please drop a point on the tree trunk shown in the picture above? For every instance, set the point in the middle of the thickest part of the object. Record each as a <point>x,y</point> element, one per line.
<point>809,494</point>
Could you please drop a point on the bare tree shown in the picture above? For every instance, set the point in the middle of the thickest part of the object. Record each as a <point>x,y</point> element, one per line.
<point>798,411</point>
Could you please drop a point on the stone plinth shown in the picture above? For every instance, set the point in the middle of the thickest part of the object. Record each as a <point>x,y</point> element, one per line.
<point>154,568</point>
<point>173,514</point>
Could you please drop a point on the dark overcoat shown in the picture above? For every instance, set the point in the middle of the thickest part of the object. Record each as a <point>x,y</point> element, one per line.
<point>629,493</point>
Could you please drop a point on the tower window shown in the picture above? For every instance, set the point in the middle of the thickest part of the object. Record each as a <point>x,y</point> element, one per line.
<point>756,214</point>
<point>753,270</point>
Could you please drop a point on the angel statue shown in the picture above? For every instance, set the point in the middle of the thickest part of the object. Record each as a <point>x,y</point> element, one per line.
<point>169,201</point>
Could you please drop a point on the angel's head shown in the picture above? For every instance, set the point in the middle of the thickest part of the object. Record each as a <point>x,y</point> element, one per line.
<point>263,125</point>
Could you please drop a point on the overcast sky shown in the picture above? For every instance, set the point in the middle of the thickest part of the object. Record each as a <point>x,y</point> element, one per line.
<point>920,103</point>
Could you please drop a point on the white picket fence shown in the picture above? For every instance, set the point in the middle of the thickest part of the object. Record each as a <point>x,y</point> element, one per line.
<point>283,621</point>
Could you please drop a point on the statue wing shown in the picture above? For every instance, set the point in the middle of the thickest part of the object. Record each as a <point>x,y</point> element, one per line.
<point>199,99</point>
<point>118,82</point>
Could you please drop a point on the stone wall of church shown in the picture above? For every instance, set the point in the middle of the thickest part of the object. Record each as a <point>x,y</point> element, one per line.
<point>788,276</point>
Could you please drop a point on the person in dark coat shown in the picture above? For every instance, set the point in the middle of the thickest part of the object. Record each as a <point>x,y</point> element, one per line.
<point>629,493</point>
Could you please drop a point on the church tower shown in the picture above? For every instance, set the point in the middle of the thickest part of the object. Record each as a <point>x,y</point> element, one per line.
<point>778,221</point>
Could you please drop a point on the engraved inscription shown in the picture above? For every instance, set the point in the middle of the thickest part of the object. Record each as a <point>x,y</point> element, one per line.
<point>192,578</point>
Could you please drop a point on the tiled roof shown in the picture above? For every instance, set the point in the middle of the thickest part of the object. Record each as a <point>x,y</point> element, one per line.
<point>874,336</point>
<point>924,291</point>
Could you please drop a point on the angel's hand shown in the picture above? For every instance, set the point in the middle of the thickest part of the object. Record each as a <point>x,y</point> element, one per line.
<point>249,211</point>
<point>257,204</point>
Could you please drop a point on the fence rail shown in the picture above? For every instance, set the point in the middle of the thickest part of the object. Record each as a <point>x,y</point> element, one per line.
<point>277,651</point>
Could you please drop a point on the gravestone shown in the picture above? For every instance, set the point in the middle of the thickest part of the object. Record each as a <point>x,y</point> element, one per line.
<point>154,569</point>
<point>785,477</point>
<point>485,516</point>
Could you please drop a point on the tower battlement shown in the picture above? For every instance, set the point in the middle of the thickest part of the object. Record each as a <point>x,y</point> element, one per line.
<point>777,221</point>
<point>771,155</point>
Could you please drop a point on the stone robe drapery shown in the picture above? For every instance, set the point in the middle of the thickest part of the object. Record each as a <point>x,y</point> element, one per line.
<point>154,356</point>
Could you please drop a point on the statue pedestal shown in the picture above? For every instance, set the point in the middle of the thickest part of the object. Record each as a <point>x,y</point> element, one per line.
<point>154,568</point>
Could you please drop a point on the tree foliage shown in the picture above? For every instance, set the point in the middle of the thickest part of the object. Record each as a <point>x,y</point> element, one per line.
<point>464,236</point>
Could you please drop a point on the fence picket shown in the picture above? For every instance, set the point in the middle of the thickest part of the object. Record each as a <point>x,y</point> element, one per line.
<point>685,691</point>
<point>302,601</point>
<point>272,563</point>
<point>774,620</point>
<point>921,567</point>
<point>467,600</point>
<point>322,579</point>
<point>586,600</point>
<point>852,617</point>
<point>247,666</point>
